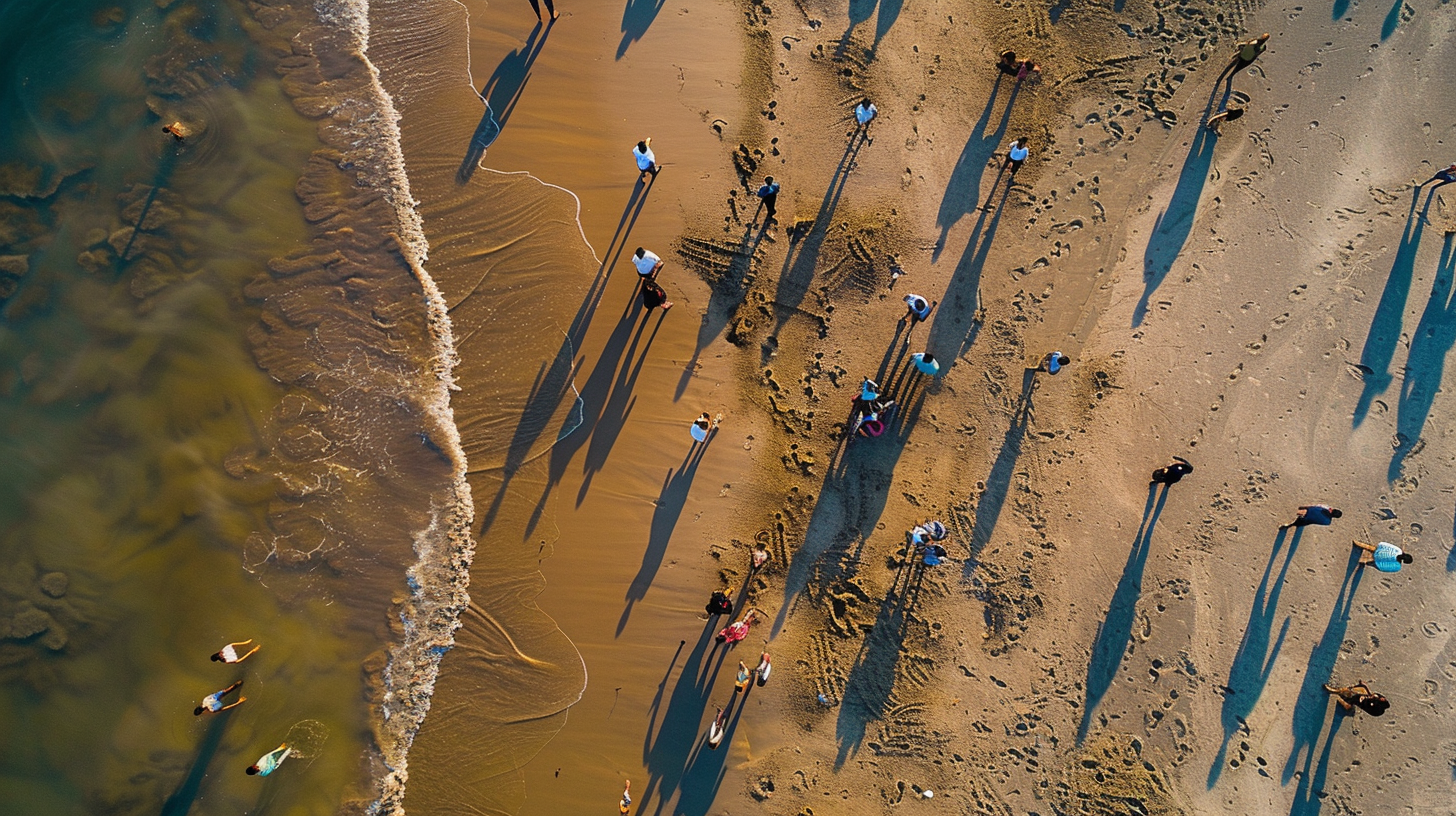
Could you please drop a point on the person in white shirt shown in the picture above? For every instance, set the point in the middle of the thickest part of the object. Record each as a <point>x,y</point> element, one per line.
<point>647,263</point>
<point>229,653</point>
<point>1017,155</point>
<point>646,162</point>
<point>1385,556</point>
<point>864,113</point>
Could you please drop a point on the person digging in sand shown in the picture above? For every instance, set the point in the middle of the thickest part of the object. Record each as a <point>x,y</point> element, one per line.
<point>229,653</point>
<point>1321,514</point>
<point>654,296</point>
<point>1172,473</point>
<point>1385,556</point>
<point>1216,122</point>
<point>212,703</point>
<point>1358,696</point>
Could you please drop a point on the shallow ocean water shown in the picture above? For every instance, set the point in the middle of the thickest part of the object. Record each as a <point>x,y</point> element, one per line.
<point>127,392</point>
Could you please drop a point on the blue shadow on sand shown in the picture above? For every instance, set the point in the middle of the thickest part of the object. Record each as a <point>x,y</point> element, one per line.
<point>1380,343</point>
<point>1425,364</point>
<point>860,11</point>
<point>1254,660</point>
<point>1311,705</point>
<point>500,93</point>
<point>998,480</point>
<point>1175,223</point>
<point>871,679</point>
<point>637,17</point>
<point>668,746</point>
<point>963,191</point>
<point>1115,633</point>
<point>1392,20</point>
<point>668,509</point>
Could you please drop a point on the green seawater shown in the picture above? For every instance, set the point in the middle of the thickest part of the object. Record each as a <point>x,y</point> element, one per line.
<point>127,387</point>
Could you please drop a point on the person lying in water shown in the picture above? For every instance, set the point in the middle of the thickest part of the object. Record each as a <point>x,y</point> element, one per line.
<point>270,761</point>
<point>212,703</point>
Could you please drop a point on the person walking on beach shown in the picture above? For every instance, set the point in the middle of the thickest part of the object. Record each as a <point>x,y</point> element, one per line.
<point>1358,696</point>
<point>647,262</point>
<point>1321,514</point>
<point>1249,50</point>
<point>269,762</point>
<point>701,427</point>
<point>1172,473</point>
<point>918,309</point>
<point>1216,122</point>
<point>229,653</point>
<point>864,113</point>
<point>654,296</point>
<point>769,194</point>
<point>925,363</point>
<point>212,703</point>
<point>1385,556</point>
<point>1054,362</point>
<point>550,9</point>
<point>1016,156</point>
<point>626,803</point>
<point>1444,177</point>
<point>646,161</point>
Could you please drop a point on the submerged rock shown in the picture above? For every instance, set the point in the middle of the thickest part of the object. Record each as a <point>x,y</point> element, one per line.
<point>55,584</point>
<point>27,622</point>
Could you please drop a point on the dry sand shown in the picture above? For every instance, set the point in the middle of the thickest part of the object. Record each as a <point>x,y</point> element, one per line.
<point>1234,336</point>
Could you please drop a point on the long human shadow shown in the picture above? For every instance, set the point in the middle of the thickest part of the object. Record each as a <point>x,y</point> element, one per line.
<point>803,253</point>
<point>860,11</point>
<point>637,17</point>
<point>665,749</point>
<point>850,502</point>
<point>963,191</point>
<point>955,324</point>
<point>706,767</point>
<point>871,678</point>
<point>556,379</point>
<point>725,294</point>
<point>500,93</point>
<point>1254,660</point>
<point>668,510</point>
<point>1392,20</point>
<point>1115,632</point>
<point>1339,8</point>
<point>1380,343</point>
<point>1309,795</point>
<point>1425,364</point>
<point>1175,223</point>
<point>182,799</point>
<point>1310,706</point>
<point>618,405</point>
<point>998,480</point>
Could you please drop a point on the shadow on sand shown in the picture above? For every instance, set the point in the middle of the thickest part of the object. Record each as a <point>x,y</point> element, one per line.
<point>637,17</point>
<point>1312,703</point>
<point>500,93</point>
<point>1115,633</point>
<point>1254,660</point>
<point>963,190</point>
<point>669,745</point>
<point>1425,364</point>
<point>1384,334</point>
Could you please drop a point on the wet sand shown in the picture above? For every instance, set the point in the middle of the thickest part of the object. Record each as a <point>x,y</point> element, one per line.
<point>1093,643</point>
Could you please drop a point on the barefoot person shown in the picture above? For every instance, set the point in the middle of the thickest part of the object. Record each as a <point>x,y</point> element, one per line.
<point>701,427</point>
<point>925,363</point>
<point>1385,556</point>
<point>769,193</point>
<point>1016,156</point>
<point>1216,122</point>
<point>648,263</point>
<point>212,703</point>
<point>1171,474</point>
<point>864,113</point>
<point>654,296</point>
<point>229,653</point>
<point>1358,696</point>
<point>917,309</point>
<point>269,762</point>
<point>1249,50</point>
<point>550,9</point>
<point>1321,514</point>
<point>1444,177</point>
<point>646,161</point>
<point>626,803</point>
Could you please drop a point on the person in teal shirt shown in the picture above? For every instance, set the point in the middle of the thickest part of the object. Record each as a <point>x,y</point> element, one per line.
<point>1385,556</point>
<point>270,761</point>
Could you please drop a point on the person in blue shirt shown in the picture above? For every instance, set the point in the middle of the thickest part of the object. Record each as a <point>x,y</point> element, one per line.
<point>1321,514</point>
<point>769,192</point>
<point>1385,556</point>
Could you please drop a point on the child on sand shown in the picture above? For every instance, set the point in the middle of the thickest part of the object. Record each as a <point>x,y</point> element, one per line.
<point>654,296</point>
<point>229,653</point>
<point>864,113</point>
<point>1358,696</point>
<point>1054,362</point>
<point>1016,156</point>
<point>1012,67</point>
<point>702,426</point>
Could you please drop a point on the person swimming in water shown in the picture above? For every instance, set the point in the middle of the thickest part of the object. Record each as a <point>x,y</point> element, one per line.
<point>269,762</point>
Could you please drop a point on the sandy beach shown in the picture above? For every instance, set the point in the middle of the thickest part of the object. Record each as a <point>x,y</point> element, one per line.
<point>1269,302</point>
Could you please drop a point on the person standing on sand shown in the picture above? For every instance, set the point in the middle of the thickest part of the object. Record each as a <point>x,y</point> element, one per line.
<point>701,427</point>
<point>626,803</point>
<point>864,113</point>
<point>1385,556</point>
<point>925,363</point>
<point>229,653</point>
<point>1012,67</point>
<point>769,193</point>
<point>646,161</point>
<point>1358,696</point>
<point>1016,156</point>
<point>1321,514</point>
<point>1443,176</point>
<point>550,9</point>
<point>1173,473</point>
<point>1216,122</point>
<point>1249,50</point>
<point>212,703</point>
<point>654,296</point>
<point>918,309</point>
<point>647,262</point>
